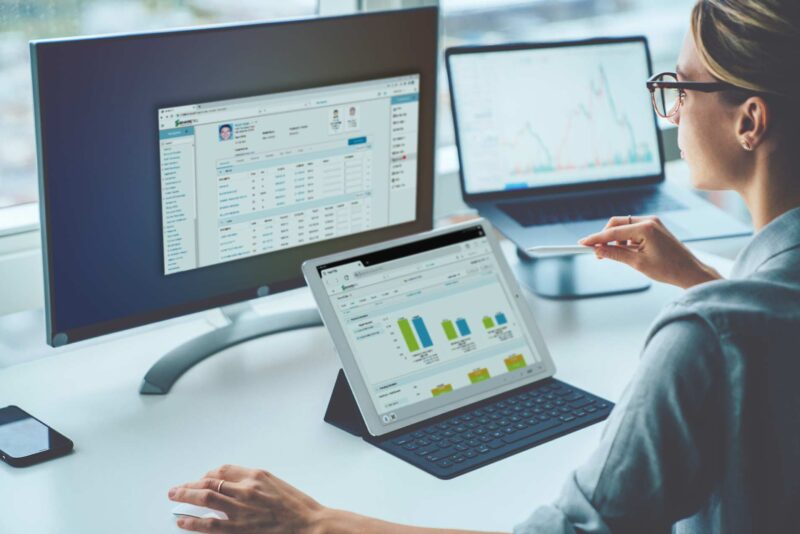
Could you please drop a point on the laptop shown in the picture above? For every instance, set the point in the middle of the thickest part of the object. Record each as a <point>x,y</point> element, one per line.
<point>555,138</point>
<point>442,354</point>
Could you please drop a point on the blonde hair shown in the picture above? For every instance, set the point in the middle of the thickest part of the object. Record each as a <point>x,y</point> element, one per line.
<point>752,44</point>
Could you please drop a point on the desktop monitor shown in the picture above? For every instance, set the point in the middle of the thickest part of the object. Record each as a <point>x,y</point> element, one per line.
<point>189,169</point>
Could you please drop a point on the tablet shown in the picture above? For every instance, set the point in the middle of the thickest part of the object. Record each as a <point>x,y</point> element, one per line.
<point>427,324</point>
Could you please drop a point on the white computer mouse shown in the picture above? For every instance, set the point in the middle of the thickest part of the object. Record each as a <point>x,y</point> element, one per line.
<point>198,511</point>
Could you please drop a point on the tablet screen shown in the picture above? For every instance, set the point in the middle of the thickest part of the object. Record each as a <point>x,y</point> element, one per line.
<point>430,323</point>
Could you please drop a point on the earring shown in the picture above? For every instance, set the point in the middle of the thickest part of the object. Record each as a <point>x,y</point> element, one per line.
<point>746,145</point>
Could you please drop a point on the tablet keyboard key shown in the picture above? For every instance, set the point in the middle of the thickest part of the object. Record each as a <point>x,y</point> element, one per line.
<point>530,431</point>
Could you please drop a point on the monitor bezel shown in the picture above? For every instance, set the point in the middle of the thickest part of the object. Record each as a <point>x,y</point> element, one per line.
<point>425,177</point>
<point>631,181</point>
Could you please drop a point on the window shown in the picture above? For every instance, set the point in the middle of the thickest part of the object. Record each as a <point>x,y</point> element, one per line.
<point>22,20</point>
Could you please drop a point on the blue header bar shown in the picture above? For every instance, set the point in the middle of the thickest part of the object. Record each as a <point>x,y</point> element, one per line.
<point>176,132</point>
<point>405,99</point>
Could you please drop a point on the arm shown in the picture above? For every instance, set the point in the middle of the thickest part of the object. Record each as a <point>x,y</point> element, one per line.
<point>657,460</point>
<point>341,522</point>
<point>258,502</point>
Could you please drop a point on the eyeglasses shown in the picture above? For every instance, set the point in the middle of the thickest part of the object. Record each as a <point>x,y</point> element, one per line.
<point>668,93</point>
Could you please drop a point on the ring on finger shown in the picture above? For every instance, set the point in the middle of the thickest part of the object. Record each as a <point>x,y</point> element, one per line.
<point>219,486</point>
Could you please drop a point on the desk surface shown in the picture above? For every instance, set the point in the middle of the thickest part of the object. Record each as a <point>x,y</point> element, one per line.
<point>261,404</point>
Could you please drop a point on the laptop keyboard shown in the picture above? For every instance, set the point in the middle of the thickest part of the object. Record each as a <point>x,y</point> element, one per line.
<point>589,207</point>
<point>459,442</point>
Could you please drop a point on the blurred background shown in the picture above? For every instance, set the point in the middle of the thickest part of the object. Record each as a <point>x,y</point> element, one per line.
<point>464,21</point>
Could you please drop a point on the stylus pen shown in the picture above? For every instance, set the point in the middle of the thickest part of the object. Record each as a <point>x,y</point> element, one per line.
<point>559,250</point>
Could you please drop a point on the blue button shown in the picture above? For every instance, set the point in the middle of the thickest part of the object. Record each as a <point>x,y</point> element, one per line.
<point>357,141</point>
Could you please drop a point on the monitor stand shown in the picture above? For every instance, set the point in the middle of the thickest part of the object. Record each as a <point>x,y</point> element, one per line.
<point>577,276</point>
<point>244,324</point>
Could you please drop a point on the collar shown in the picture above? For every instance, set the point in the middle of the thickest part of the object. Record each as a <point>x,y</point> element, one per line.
<point>781,234</point>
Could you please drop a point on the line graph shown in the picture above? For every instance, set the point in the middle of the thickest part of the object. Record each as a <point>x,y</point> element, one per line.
<point>534,118</point>
<point>587,140</point>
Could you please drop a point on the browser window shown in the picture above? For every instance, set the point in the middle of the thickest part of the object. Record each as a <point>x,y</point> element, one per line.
<point>254,175</point>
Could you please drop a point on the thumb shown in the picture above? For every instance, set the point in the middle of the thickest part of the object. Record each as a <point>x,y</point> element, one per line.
<point>618,253</point>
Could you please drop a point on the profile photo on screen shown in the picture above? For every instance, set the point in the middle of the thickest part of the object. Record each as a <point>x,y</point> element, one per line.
<point>225,132</point>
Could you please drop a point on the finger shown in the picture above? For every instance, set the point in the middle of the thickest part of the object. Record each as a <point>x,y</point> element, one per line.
<point>231,489</point>
<point>232,473</point>
<point>203,483</point>
<point>622,221</point>
<point>632,232</point>
<point>621,254</point>
<point>207,498</point>
<point>196,524</point>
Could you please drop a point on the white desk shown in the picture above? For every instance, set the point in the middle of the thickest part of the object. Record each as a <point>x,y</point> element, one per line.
<point>261,404</point>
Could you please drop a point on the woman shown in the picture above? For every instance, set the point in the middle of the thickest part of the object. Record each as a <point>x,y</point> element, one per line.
<point>707,436</point>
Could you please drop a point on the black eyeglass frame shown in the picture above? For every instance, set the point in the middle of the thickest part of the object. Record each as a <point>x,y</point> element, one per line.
<point>654,83</point>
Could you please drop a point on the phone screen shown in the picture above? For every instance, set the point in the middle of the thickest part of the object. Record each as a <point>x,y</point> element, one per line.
<point>22,435</point>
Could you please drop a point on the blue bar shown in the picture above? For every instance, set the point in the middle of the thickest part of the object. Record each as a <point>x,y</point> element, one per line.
<point>515,185</point>
<point>356,141</point>
<point>405,99</point>
<point>422,331</point>
<point>500,317</point>
<point>176,132</point>
<point>463,327</point>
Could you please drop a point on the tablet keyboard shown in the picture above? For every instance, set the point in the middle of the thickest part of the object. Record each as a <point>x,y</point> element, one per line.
<point>485,432</point>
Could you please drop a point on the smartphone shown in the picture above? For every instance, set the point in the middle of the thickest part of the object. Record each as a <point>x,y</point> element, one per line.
<point>24,440</point>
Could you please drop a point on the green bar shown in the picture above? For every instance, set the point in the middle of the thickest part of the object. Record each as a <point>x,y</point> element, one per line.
<point>440,390</point>
<point>479,375</point>
<point>488,322</point>
<point>408,335</point>
<point>449,330</point>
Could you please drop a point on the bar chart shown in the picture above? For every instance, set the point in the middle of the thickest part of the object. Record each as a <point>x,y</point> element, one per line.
<point>422,336</point>
<point>442,389</point>
<point>450,329</point>
<point>479,375</point>
<point>515,361</point>
<point>490,322</point>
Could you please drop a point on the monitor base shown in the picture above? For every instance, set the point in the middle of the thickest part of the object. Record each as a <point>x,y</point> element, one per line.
<point>577,276</point>
<point>245,326</point>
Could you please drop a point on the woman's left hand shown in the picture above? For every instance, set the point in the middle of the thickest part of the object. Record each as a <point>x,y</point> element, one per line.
<point>254,501</point>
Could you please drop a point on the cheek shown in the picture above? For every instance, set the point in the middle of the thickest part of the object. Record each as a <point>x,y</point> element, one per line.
<point>699,139</point>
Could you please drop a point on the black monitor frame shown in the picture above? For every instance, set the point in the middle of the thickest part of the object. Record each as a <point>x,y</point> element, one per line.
<point>388,44</point>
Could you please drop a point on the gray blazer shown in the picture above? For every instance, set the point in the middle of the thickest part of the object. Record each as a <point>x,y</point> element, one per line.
<point>706,437</point>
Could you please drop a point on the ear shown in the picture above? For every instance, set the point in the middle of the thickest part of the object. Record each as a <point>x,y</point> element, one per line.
<point>753,122</point>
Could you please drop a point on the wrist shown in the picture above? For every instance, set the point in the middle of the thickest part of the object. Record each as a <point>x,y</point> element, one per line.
<point>703,273</point>
<point>330,521</point>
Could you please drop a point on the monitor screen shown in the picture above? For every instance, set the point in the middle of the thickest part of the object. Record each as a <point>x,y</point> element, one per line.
<point>431,323</point>
<point>554,116</point>
<point>254,175</point>
<point>188,169</point>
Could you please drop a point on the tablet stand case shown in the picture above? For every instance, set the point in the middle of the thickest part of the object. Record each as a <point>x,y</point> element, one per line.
<point>344,414</point>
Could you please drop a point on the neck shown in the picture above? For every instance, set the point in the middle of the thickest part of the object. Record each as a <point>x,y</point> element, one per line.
<point>774,188</point>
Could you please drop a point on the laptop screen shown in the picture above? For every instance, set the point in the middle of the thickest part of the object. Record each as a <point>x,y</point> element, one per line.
<point>553,116</point>
<point>431,323</point>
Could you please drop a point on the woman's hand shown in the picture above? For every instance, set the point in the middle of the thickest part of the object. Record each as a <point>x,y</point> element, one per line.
<point>254,500</point>
<point>645,244</point>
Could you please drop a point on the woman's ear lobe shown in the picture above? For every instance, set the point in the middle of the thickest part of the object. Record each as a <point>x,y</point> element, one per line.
<point>753,121</point>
